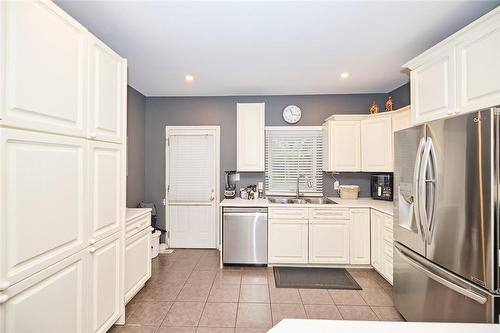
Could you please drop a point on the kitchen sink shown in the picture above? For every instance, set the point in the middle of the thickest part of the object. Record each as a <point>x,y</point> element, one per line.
<point>305,200</point>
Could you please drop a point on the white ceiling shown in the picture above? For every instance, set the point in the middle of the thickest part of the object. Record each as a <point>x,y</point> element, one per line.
<point>270,48</point>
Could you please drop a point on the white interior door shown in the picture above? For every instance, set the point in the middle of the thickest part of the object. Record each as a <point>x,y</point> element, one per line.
<point>192,186</point>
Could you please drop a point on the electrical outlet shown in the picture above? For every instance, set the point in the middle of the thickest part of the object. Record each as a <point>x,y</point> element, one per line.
<point>336,185</point>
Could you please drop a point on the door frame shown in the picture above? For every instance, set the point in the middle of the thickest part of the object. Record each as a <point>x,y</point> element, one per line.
<point>206,130</point>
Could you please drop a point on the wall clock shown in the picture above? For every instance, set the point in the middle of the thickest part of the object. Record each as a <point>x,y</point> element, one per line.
<point>292,114</point>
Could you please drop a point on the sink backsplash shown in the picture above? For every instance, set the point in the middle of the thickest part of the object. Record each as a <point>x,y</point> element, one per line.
<point>362,179</point>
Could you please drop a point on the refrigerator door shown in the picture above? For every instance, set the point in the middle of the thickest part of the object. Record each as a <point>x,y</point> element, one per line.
<point>408,148</point>
<point>456,196</point>
<point>425,292</point>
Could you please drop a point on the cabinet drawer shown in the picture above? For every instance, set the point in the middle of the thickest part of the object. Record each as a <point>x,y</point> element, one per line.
<point>329,213</point>
<point>388,249</point>
<point>388,222</point>
<point>388,269</point>
<point>388,235</point>
<point>288,213</point>
<point>135,225</point>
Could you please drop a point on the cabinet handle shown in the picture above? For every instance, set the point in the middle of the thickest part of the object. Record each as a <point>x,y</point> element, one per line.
<point>92,136</point>
<point>138,226</point>
<point>92,249</point>
<point>92,241</point>
<point>4,285</point>
<point>3,298</point>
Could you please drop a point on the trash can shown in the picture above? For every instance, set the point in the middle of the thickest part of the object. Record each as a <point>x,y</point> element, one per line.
<point>155,243</point>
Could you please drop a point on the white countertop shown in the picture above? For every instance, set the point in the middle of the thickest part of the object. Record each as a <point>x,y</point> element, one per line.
<point>383,206</point>
<point>346,326</point>
<point>132,213</point>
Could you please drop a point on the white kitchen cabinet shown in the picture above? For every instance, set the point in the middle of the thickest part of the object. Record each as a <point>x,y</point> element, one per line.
<point>105,292</point>
<point>359,236</point>
<point>44,206</point>
<point>401,119</point>
<point>342,139</point>
<point>137,261</point>
<point>478,66</point>
<point>382,244</point>
<point>45,67</point>
<point>376,144</point>
<point>108,82</point>
<point>329,241</point>
<point>250,130</point>
<point>288,241</point>
<point>54,300</point>
<point>433,87</point>
<point>377,223</point>
<point>107,204</point>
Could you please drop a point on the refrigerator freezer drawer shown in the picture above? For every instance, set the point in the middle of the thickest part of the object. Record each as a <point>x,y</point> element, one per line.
<point>426,292</point>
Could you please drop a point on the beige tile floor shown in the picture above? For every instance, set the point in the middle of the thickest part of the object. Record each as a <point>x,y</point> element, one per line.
<point>188,292</point>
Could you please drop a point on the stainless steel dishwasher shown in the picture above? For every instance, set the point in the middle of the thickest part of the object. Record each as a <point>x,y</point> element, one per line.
<point>244,236</point>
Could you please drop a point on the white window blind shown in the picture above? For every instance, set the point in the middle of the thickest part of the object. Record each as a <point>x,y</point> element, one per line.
<point>290,152</point>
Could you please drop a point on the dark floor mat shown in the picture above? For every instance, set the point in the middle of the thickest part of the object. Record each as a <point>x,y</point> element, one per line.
<point>314,278</point>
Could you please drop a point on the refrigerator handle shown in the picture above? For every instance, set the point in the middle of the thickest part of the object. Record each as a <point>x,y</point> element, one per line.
<point>461,290</point>
<point>416,184</point>
<point>433,182</point>
<point>421,190</point>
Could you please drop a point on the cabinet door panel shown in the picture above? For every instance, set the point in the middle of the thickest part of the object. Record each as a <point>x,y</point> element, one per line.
<point>107,111</point>
<point>288,242</point>
<point>359,236</point>
<point>376,144</point>
<point>45,69</point>
<point>107,205</point>
<point>105,279</point>
<point>54,300</point>
<point>44,201</point>
<point>329,242</point>
<point>479,67</point>
<point>433,88</point>
<point>345,146</point>
<point>250,136</point>
<point>137,262</point>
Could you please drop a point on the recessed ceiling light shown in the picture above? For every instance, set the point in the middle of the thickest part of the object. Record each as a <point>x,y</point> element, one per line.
<point>189,78</point>
<point>344,75</point>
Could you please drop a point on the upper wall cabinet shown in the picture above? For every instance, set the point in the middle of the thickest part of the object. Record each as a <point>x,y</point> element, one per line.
<point>433,88</point>
<point>376,144</point>
<point>45,64</point>
<point>342,145</point>
<point>460,74</point>
<point>250,136</point>
<point>478,65</point>
<point>108,81</point>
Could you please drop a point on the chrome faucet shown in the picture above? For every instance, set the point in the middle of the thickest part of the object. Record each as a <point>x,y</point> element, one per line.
<point>309,183</point>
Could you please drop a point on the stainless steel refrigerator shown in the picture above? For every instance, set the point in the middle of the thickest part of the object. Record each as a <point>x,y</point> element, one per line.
<point>446,225</point>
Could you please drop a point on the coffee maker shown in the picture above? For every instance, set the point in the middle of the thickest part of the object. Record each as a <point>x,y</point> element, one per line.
<point>381,186</point>
<point>230,190</point>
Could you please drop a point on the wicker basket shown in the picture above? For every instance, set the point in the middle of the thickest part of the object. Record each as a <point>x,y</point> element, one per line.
<point>349,191</point>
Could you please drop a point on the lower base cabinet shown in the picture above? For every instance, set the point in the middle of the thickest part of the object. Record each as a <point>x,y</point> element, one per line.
<point>53,300</point>
<point>137,262</point>
<point>105,280</point>
<point>329,241</point>
<point>359,236</point>
<point>382,244</point>
<point>288,243</point>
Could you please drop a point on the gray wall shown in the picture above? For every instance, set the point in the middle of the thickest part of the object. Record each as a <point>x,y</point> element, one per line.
<point>176,111</point>
<point>136,118</point>
<point>401,96</point>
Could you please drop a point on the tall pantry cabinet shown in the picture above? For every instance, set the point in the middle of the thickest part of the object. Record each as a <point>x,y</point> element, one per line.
<point>62,173</point>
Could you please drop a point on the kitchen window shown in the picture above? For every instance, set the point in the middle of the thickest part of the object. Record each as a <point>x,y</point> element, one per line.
<point>290,152</point>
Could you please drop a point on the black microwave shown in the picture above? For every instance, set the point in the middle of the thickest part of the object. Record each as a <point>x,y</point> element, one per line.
<point>382,186</point>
